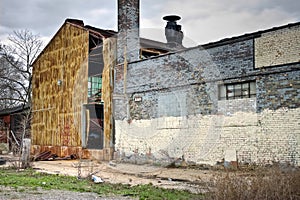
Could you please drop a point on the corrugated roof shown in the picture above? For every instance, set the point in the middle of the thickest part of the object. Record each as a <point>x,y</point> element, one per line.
<point>13,110</point>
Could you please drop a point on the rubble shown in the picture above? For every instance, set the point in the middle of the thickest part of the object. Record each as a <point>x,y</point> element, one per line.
<point>47,156</point>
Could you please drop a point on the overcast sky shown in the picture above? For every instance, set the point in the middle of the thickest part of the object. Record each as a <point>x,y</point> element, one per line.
<point>202,21</point>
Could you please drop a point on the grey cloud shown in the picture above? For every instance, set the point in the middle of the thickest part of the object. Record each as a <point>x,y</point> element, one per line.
<point>202,19</point>
<point>45,17</point>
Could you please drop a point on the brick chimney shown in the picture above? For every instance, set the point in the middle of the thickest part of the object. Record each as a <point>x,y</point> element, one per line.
<point>128,27</point>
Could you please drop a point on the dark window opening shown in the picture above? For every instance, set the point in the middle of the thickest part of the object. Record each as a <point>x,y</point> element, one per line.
<point>237,90</point>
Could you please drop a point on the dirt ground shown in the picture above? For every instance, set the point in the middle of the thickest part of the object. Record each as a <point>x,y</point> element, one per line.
<point>7,193</point>
<point>193,180</point>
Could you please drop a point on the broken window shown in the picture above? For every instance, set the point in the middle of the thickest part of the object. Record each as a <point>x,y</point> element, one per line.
<point>237,90</point>
<point>95,87</point>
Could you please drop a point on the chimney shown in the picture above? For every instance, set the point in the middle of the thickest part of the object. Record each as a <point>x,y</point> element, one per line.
<point>128,27</point>
<point>173,32</point>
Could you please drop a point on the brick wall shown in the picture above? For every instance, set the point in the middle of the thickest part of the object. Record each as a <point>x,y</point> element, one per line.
<point>279,90</point>
<point>278,47</point>
<point>262,138</point>
<point>196,73</point>
<point>178,113</point>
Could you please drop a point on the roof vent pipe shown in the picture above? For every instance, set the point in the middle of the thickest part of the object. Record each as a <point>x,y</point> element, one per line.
<point>173,32</point>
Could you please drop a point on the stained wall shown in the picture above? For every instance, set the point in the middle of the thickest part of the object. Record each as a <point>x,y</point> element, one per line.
<point>60,88</point>
<point>170,108</point>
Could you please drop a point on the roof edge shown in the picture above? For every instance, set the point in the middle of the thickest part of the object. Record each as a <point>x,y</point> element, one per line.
<point>67,21</point>
<point>246,36</point>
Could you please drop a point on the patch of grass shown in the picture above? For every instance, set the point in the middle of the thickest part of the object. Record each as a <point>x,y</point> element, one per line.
<point>32,179</point>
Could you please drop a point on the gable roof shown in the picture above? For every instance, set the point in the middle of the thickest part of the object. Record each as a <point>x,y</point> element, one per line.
<point>106,33</point>
<point>100,33</point>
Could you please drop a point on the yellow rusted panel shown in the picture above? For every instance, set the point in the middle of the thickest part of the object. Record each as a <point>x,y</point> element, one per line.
<point>60,88</point>
<point>109,57</point>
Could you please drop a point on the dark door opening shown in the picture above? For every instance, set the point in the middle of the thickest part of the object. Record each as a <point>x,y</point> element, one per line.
<point>94,126</point>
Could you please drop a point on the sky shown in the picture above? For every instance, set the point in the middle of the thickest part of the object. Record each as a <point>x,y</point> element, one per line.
<point>203,21</point>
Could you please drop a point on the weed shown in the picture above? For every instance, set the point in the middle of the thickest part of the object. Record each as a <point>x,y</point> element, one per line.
<point>262,183</point>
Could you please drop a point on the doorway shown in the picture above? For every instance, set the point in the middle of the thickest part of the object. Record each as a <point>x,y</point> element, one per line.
<point>92,126</point>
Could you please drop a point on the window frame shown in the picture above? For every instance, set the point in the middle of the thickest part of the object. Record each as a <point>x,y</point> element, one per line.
<point>94,86</point>
<point>237,90</point>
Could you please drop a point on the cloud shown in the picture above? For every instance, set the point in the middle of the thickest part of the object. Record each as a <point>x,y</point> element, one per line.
<point>205,21</point>
<point>45,17</point>
<point>202,21</point>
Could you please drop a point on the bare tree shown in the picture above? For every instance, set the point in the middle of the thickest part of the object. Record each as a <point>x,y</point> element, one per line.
<point>11,85</point>
<point>16,59</point>
<point>16,62</point>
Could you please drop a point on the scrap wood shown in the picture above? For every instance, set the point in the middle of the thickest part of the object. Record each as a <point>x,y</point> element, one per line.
<point>70,157</point>
<point>48,156</point>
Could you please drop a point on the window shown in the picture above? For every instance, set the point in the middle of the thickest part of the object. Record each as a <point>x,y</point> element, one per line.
<point>237,90</point>
<point>94,86</point>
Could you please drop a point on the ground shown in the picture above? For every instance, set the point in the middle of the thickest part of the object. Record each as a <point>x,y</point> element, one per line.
<point>125,173</point>
<point>190,179</point>
<point>248,182</point>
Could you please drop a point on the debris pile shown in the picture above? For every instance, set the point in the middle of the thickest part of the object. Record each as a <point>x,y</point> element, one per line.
<point>47,156</point>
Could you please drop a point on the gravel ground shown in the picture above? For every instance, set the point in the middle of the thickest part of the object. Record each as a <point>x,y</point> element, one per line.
<point>9,193</point>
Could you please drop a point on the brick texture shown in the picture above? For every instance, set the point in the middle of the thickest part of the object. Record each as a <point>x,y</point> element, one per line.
<point>179,114</point>
<point>261,138</point>
<point>278,47</point>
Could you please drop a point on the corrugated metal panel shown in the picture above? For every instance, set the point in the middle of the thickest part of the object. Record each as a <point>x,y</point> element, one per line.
<point>57,107</point>
<point>109,57</point>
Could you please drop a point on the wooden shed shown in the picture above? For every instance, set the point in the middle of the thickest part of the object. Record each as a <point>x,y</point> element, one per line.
<point>12,124</point>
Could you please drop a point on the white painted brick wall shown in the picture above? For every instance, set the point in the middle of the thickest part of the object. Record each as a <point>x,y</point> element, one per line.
<point>259,138</point>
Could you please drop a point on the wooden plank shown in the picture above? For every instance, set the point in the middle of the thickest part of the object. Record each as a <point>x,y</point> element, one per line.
<point>25,157</point>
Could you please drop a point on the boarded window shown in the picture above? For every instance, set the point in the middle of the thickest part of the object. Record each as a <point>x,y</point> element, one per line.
<point>172,104</point>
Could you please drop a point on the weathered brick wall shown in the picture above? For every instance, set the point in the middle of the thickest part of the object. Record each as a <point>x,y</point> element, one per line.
<point>178,112</point>
<point>195,73</point>
<point>128,28</point>
<point>278,47</point>
<point>262,138</point>
<point>229,107</point>
<point>280,133</point>
<point>279,90</point>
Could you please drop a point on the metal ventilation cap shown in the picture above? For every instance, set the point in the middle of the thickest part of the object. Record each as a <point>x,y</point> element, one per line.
<point>171,18</point>
<point>173,32</point>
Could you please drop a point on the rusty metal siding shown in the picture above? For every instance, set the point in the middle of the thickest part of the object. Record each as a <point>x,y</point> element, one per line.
<point>57,107</point>
<point>109,57</point>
